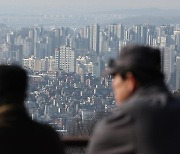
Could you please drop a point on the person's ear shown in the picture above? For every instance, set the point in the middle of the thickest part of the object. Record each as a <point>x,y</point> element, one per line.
<point>131,82</point>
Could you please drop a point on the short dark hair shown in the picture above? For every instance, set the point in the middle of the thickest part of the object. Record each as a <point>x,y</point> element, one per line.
<point>13,84</point>
<point>143,61</point>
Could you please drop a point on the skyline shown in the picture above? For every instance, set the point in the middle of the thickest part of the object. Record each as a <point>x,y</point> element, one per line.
<point>65,67</point>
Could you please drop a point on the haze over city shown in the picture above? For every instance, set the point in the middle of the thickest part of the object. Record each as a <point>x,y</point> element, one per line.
<point>94,4</point>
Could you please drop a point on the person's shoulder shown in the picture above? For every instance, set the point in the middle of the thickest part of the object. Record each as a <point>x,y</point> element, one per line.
<point>109,129</point>
<point>114,121</point>
<point>42,129</point>
<point>148,101</point>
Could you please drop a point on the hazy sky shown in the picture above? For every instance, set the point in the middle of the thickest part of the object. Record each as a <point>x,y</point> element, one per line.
<point>167,4</point>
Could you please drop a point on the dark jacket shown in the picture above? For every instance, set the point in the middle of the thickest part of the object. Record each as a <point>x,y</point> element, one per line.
<point>19,134</point>
<point>148,123</point>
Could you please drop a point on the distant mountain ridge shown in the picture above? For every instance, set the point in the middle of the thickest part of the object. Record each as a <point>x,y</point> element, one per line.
<point>145,12</point>
<point>158,20</point>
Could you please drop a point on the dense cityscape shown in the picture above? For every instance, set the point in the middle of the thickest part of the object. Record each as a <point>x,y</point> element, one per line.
<point>67,88</point>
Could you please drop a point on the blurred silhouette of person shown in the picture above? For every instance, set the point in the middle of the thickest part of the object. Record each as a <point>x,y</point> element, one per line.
<point>148,116</point>
<point>18,133</point>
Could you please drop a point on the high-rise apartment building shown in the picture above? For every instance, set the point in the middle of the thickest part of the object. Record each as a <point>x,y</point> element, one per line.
<point>10,38</point>
<point>177,73</point>
<point>137,35</point>
<point>177,40</point>
<point>65,59</point>
<point>169,65</point>
<point>94,38</point>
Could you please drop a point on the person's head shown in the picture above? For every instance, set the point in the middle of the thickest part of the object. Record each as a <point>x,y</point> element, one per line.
<point>135,67</point>
<point>13,84</point>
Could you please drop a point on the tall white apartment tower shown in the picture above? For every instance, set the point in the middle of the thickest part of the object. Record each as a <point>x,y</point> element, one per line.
<point>120,32</point>
<point>177,72</point>
<point>177,40</point>
<point>65,59</point>
<point>116,30</point>
<point>169,65</point>
<point>94,38</point>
